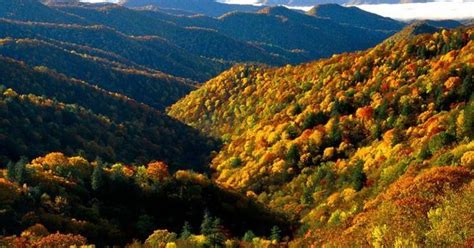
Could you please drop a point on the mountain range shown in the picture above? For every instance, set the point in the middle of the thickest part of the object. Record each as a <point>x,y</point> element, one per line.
<point>144,125</point>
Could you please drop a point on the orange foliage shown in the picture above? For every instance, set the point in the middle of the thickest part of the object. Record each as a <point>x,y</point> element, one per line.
<point>157,170</point>
<point>59,240</point>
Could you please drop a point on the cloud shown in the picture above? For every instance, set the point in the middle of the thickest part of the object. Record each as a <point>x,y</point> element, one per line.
<point>433,10</point>
<point>100,1</point>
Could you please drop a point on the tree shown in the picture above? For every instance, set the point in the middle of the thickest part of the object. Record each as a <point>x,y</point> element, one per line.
<point>307,196</point>
<point>206,225</point>
<point>145,225</point>
<point>293,155</point>
<point>16,171</point>
<point>157,171</point>
<point>159,238</point>
<point>97,180</point>
<point>275,233</point>
<point>313,120</point>
<point>61,240</point>
<point>186,231</point>
<point>248,236</point>
<point>216,237</point>
<point>358,176</point>
<point>335,134</point>
<point>11,171</point>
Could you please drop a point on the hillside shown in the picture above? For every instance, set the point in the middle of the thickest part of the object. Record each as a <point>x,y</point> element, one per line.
<point>296,36</point>
<point>206,7</point>
<point>128,203</point>
<point>355,17</point>
<point>366,148</point>
<point>43,111</point>
<point>201,41</point>
<point>149,51</point>
<point>154,88</point>
<point>195,47</point>
<point>149,126</point>
<point>33,10</point>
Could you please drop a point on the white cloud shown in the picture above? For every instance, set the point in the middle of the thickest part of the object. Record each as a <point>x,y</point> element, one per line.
<point>100,1</point>
<point>433,10</point>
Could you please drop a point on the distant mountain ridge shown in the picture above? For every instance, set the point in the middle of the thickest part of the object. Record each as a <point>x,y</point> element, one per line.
<point>196,47</point>
<point>207,7</point>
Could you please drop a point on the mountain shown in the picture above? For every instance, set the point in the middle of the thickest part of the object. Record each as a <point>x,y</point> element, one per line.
<point>206,7</point>
<point>197,47</point>
<point>361,143</point>
<point>355,17</point>
<point>149,51</point>
<point>128,203</point>
<point>200,41</point>
<point>43,111</point>
<point>33,10</point>
<point>295,36</point>
<point>350,2</point>
<point>154,88</point>
<point>371,147</point>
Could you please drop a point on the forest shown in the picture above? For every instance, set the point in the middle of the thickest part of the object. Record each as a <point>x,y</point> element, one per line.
<point>192,132</point>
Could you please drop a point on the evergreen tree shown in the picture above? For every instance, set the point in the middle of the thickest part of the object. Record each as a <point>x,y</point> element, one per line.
<point>97,180</point>
<point>335,134</point>
<point>16,171</point>
<point>186,231</point>
<point>307,196</point>
<point>11,171</point>
<point>275,233</point>
<point>358,176</point>
<point>216,237</point>
<point>293,155</point>
<point>20,170</point>
<point>248,236</point>
<point>206,225</point>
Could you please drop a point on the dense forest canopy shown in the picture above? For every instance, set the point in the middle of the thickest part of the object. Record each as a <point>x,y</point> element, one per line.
<point>334,142</point>
<point>155,127</point>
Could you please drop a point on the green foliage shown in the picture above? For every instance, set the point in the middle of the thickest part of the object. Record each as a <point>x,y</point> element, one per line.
<point>207,224</point>
<point>98,177</point>
<point>439,141</point>
<point>468,124</point>
<point>275,233</point>
<point>314,119</point>
<point>292,132</point>
<point>248,236</point>
<point>145,225</point>
<point>358,176</point>
<point>186,231</point>
<point>293,155</point>
<point>16,172</point>
<point>216,236</point>
<point>54,113</point>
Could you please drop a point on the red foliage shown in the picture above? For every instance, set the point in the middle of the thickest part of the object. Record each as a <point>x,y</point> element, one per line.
<point>59,240</point>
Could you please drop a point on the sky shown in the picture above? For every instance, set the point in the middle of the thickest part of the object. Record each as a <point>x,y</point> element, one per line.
<point>438,10</point>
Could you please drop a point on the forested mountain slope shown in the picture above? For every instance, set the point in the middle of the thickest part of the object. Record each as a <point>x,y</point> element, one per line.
<point>200,41</point>
<point>296,36</point>
<point>366,148</point>
<point>116,204</point>
<point>149,51</point>
<point>197,47</point>
<point>206,7</point>
<point>355,17</point>
<point>96,67</point>
<point>43,111</point>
